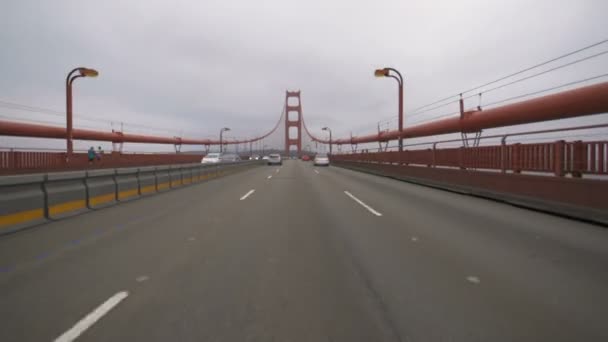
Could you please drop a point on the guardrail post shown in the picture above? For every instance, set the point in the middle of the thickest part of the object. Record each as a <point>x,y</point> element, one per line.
<point>579,159</point>
<point>503,154</point>
<point>434,155</point>
<point>558,158</point>
<point>517,158</point>
<point>461,158</point>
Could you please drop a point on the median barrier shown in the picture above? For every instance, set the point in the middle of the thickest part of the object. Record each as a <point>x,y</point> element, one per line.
<point>127,184</point>
<point>175,173</point>
<point>101,188</point>
<point>21,202</point>
<point>66,194</point>
<point>28,200</point>
<point>163,178</point>
<point>146,177</point>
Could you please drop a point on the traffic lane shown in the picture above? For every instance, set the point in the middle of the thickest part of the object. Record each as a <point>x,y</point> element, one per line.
<point>274,272</point>
<point>522,294</point>
<point>38,243</point>
<point>42,300</point>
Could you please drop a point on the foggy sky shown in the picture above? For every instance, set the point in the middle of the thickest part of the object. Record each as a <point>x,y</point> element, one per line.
<point>192,67</point>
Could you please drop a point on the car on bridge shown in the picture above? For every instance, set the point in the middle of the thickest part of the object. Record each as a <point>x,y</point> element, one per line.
<point>321,159</point>
<point>212,158</point>
<point>275,159</point>
<point>306,157</point>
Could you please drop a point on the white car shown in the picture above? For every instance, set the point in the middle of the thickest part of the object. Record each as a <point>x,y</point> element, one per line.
<point>212,158</point>
<point>275,159</point>
<point>321,160</point>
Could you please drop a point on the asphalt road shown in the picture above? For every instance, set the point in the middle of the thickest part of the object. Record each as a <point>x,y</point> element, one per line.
<point>312,254</point>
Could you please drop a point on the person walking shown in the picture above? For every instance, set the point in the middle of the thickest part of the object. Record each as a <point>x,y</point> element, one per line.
<point>99,153</point>
<point>91,155</point>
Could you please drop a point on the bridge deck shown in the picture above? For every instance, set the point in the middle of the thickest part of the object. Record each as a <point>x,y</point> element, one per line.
<point>299,259</point>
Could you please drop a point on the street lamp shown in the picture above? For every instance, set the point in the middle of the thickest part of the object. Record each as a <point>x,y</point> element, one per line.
<point>386,72</point>
<point>82,72</point>
<point>327,129</point>
<point>221,137</point>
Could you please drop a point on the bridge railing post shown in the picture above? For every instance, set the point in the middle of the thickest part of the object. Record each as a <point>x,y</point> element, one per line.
<point>558,158</point>
<point>579,159</point>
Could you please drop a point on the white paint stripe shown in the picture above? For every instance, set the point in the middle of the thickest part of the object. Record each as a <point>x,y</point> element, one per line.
<point>269,176</point>
<point>278,170</point>
<point>91,318</point>
<point>473,280</point>
<point>371,210</point>
<point>141,279</point>
<point>316,171</point>
<point>247,194</point>
<point>414,239</point>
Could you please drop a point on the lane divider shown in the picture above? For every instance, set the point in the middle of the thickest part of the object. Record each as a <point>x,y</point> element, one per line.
<point>370,209</point>
<point>247,194</point>
<point>93,317</point>
<point>269,177</point>
<point>316,171</point>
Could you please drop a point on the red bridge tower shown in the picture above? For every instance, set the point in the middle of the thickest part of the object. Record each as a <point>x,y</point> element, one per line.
<point>293,123</point>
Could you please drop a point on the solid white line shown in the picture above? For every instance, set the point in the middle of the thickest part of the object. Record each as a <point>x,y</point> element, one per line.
<point>414,239</point>
<point>269,176</point>
<point>91,318</point>
<point>247,194</point>
<point>316,171</point>
<point>371,210</point>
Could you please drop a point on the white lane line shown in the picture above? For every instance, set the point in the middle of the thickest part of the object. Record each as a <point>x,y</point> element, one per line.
<point>278,170</point>
<point>371,210</point>
<point>192,238</point>
<point>247,194</point>
<point>269,177</point>
<point>414,239</point>
<point>473,280</point>
<point>91,318</point>
<point>141,279</point>
<point>316,171</point>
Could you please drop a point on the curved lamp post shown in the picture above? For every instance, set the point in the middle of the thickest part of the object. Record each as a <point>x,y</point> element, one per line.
<point>74,74</point>
<point>328,129</point>
<point>221,138</point>
<point>386,72</point>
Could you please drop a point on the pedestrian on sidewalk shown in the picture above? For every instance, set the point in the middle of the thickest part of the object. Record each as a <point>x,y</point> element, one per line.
<point>91,155</point>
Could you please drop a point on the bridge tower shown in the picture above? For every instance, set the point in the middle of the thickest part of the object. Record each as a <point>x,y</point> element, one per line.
<point>290,122</point>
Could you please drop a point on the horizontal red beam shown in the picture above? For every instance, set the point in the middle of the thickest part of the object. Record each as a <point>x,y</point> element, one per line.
<point>18,129</point>
<point>582,101</point>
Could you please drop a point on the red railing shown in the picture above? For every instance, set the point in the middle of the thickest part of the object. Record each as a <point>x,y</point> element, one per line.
<point>559,157</point>
<point>12,162</point>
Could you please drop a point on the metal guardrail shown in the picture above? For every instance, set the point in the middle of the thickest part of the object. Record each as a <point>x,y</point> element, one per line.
<point>20,162</point>
<point>559,157</point>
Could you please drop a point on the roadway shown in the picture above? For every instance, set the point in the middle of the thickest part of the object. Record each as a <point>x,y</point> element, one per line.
<point>311,254</point>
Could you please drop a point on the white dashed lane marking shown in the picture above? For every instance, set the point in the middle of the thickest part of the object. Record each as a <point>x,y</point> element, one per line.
<point>91,318</point>
<point>473,280</point>
<point>370,209</point>
<point>247,194</point>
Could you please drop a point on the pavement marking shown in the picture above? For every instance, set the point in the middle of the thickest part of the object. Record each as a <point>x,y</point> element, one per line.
<point>278,170</point>
<point>316,171</point>
<point>191,238</point>
<point>269,176</point>
<point>370,209</point>
<point>473,280</point>
<point>142,278</point>
<point>247,194</point>
<point>414,239</point>
<point>91,318</point>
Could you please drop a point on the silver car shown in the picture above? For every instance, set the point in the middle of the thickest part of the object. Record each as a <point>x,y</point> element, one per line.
<point>321,159</point>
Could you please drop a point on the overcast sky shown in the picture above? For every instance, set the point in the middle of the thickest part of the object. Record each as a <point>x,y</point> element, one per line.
<point>196,66</point>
